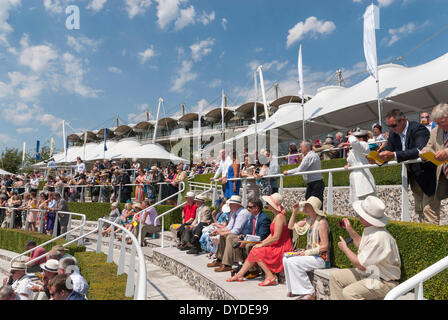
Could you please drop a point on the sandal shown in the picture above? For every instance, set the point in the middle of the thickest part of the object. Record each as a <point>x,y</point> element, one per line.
<point>307,297</point>
<point>235,278</point>
<point>291,295</point>
<point>267,282</point>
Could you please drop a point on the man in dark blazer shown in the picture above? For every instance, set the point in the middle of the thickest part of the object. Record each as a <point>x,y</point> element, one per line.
<point>406,140</point>
<point>262,229</point>
<point>126,191</point>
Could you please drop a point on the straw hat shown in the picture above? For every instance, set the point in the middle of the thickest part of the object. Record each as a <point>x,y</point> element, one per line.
<point>17,265</point>
<point>59,248</point>
<point>50,266</point>
<point>360,133</point>
<point>137,205</point>
<point>234,199</point>
<point>315,203</point>
<point>200,198</point>
<point>372,210</point>
<point>154,168</point>
<point>190,194</point>
<point>274,200</point>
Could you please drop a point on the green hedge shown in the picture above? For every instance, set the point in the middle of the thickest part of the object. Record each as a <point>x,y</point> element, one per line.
<point>420,246</point>
<point>104,284</point>
<point>383,176</point>
<point>15,240</point>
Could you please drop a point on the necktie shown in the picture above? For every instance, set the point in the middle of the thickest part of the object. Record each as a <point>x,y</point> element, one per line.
<point>253,228</point>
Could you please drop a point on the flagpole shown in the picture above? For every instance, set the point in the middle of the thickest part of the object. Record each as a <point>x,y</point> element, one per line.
<point>63,139</point>
<point>300,69</point>
<point>157,121</point>
<point>255,108</point>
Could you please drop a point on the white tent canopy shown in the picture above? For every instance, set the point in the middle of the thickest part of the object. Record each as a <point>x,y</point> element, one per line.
<point>126,148</point>
<point>3,172</point>
<point>409,89</point>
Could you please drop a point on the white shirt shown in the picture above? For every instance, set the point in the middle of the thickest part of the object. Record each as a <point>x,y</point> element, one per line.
<point>34,183</point>
<point>403,139</point>
<point>80,167</point>
<point>223,167</point>
<point>80,284</point>
<point>22,288</point>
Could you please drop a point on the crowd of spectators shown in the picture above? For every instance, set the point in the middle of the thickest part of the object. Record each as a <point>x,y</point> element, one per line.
<point>55,276</point>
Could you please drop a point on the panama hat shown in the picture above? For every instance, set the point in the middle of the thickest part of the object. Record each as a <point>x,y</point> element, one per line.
<point>137,205</point>
<point>315,203</point>
<point>59,248</point>
<point>190,194</point>
<point>234,199</point>
<point>200,198</point>
<point>50,266</point>
<point>274,200</point>
<point>17,265</point>
<point>372,210</point>
<point>154,168</point>
<point>360,133</point>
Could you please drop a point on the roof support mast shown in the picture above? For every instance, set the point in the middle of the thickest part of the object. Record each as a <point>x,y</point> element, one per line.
<point>157,121</point>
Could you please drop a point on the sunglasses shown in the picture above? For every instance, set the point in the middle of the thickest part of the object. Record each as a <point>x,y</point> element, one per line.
<point>250,207</point>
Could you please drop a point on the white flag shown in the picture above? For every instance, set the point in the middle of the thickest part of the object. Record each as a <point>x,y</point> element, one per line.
<point>222,110</point>
<point>301,88</point>
<point>370,42</point>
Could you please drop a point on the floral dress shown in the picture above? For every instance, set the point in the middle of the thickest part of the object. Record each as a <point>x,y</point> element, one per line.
<point>207,242</point>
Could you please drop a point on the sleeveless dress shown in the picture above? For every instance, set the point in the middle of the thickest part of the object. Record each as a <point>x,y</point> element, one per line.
<point>32,215</point>
<point>272,255</point>
<point>139,192</point>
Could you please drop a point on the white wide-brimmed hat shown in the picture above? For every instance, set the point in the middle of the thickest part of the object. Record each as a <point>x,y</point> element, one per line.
<point>200,197</point>
<point>190,194</point>
<point>372,210</point>
<point>315,203</point>
<point>50,266</point>
<point>234,199</point>
<point>17,265</point>
<point>275,200</point>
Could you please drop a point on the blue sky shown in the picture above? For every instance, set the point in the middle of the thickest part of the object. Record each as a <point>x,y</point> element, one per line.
<point>128,53</point>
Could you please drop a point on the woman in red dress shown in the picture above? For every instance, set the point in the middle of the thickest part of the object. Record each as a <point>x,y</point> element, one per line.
<point>268,254</point>
<point>140,181</point>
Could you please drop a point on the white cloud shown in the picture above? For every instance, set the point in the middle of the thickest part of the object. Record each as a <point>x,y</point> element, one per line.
<point>6,139</point>
<point>224,23</point>
<point>140,117</point>
<point>167,11</point>
<point>5,27</point>
<point>96,5</point>
<point>147,54</point>
<point>184,75</point>
<point>187,16</point>
<point>312,26</point>
<point>137,7</point>
<point>207,18</point>
<point>385,3</point>
<point>267,66</point>
<point>201,49</point>
<point>5,90</point>
<point>143,107</point>
<point>215,83</point>
<point>37,58</point>
<point>403,31</point>
<point>74,77</point>
<point>82,42</point>
<point>115,70</point>
<point>25,130</point>
<point>56,6</point>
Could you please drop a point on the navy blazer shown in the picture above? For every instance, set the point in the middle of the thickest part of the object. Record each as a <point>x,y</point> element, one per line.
<point>417,137</point>
<point>263,227</point>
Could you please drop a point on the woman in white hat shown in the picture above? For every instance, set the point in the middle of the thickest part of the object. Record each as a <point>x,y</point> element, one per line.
<point>362,183</point>
<point>316,255</point>
<point>268,254</point>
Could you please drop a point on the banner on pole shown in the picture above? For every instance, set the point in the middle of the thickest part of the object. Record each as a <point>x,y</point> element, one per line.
<point>37,150</point>
<point>370,42</point>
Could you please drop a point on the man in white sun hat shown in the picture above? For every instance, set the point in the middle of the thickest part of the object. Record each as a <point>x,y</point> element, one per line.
<point>378,261</point>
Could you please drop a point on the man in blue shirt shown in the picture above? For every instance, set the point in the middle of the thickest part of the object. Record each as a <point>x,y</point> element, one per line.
<point>229,236</point>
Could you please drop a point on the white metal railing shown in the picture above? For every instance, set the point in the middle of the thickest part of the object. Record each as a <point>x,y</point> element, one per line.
<point>138,290</point>
<point>405,216</point>
<point>162,216</point>
<point>416,282</point>
<point>80,227</point>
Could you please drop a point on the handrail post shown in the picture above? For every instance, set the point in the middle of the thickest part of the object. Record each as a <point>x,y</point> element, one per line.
<point>99,242</point>
<point>110,252</point>
<point>122,256</point>
<point>281,185</point>
<point>244,200</point>
<point>163,229</point>
<point>130,280</point>
<point>26,220</point>
<point>215,184</point>
<point>330,194</point>
<point>55,227</point>
<point>42,221</point>
<point>159,196</point>
<point>12,218</point>
<point>405,216</point>
<point>80,241</point>
<point>69,227</point>
<point>418,292</point>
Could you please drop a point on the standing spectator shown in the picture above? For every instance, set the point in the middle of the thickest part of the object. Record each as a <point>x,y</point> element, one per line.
<point>362,183</point>
<point>425,119</point>
<point>293,154</point>
<point>438,144</point>
<point>377,262</point>
<point>80,167</point>
<point>379,136</point>
<point>339,143</point>
<point>274,169</point>
<point>51,214</point>
<point>124,181</point>
<point>60,291</point>
<point>68,266</point>
<point>248,171</point>
<point>63,218</point>
<point>405,140</point>
<point>230,235</point>
<point>317,253</point>
<point>21,283</point>
<point>314,182</point>
<point>140,180</point>
<point>268,254</point>
<point>35,266</point>
<point>33,213</point>
<point>223,168</point>
<point>34,183</point>
<point>232,187</point>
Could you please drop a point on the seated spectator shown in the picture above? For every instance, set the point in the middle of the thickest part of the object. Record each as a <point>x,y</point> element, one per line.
<point>69,267</point>
<point>64,252</point>
<point>41,288</point>
<point>188,216</point>
<point>35,266</point>
<point>229,236</point>
<point>7,293</point>
<point>147,219</point>
<point>19,281</point>
<point>59,289</point>
<point>194,232</point>
<point>209,242</point>
<point>268,254</point>
<point>113,216</point>
<point>316,255</point>
<point>377,262</point>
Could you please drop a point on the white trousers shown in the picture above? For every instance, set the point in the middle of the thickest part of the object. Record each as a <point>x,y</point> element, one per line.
<point>297,281</point>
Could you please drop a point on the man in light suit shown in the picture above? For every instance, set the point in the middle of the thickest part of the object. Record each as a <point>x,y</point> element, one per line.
<point>438,144</point>
<point>406,139</point>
